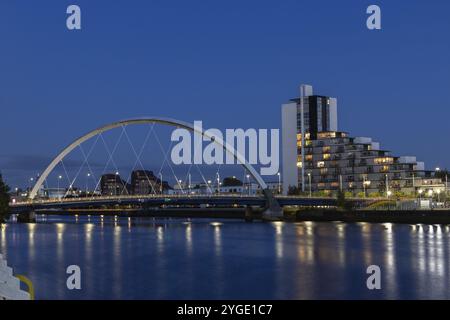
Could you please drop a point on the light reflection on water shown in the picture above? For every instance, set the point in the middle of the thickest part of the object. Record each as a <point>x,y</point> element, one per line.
<point>133,258</point>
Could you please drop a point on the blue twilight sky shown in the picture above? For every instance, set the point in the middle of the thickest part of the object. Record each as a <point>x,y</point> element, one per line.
<point>229,63</point>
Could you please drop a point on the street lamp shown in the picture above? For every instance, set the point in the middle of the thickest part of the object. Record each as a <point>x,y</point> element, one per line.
<point>389,193</point>
<point>420,194</point>
<point>366,183</point>
<point>387,185</point>
<point>248,183</point>
<point>87,181</point>
<point>161,183</point>
<point>446,184</point>
<point>279,183</point>
<point>189,183</point>
<point>438,191</point>
<point>218,182</point>
<point>430,193</point>
<point>309,180</point>
<point>209,186</point>
<point>179,185</point>
<point>58,192</point>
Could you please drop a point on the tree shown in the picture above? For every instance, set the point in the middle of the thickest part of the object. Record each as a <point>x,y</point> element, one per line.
<point>293,191</point>
<point>4,200</point>
<point>342,202</point>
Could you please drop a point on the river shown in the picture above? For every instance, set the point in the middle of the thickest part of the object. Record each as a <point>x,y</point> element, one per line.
<point>146,258</point>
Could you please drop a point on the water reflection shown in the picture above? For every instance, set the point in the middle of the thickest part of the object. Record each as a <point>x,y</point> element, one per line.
<point>278,239</point>
<point>201,259</point>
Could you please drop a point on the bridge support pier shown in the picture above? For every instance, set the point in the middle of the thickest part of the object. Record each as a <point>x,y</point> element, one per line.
<point>272,210</point>
<point>27,217</point>
<point>248,214</point>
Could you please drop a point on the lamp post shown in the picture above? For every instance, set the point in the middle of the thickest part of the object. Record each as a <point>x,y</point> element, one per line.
<point>248,183</point>
<point>160,183</point>
<point>179,185</point>
<point>87,181</point>
<point>189,183</point>
<point>420,195</point>
<point>59,179</point>
<point>438,191</point>
<point>279,183</point>
<point>310,188</point>
<point>218,182</point>
<point>209,185</point>
<point>446,184</point>
<point>387,185</point>
<point>366,183</point>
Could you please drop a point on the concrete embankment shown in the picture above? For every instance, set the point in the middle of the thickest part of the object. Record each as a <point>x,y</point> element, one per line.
<point>376,216</point>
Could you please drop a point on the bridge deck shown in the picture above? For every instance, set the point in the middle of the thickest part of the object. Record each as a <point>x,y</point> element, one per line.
<point>174,200</point>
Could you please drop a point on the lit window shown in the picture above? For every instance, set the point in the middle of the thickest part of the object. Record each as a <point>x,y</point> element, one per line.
<point>384,160</point>
<point>325,135</point>
<point>326,156</point>
<point>299,164</point>
<point>320,164</point>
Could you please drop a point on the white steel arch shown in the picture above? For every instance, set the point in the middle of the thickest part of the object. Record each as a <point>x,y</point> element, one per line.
<point>166,121</point>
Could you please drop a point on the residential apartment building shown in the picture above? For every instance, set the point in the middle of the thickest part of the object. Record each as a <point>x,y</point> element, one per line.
<point>112,185</point>
<point>334,161</point>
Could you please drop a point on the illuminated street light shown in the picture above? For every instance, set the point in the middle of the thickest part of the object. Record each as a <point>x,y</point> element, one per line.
<point>309,180</point>
<point>87,181</point>
<point>279,183</point>
<point>59,179</point>
<point>420,191</point>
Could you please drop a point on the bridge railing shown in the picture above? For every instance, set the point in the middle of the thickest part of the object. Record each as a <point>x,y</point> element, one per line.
<point>173,196</point>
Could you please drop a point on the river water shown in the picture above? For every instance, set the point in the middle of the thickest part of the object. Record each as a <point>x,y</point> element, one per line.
<point>146,258</point>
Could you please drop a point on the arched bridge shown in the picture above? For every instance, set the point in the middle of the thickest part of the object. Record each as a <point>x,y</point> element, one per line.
<point>272,209</point>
